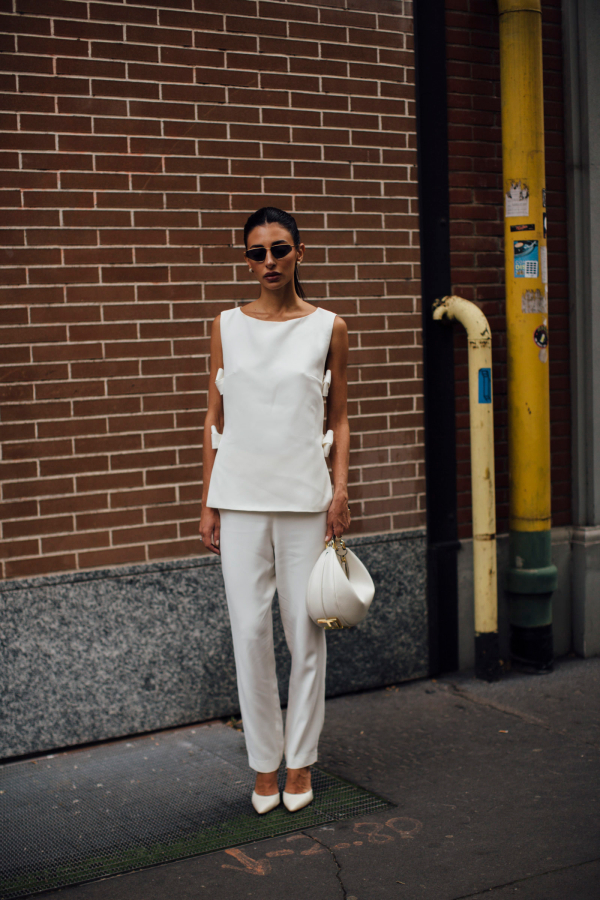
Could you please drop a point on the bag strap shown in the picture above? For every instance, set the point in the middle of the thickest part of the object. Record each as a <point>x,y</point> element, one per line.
<point>339,546</point>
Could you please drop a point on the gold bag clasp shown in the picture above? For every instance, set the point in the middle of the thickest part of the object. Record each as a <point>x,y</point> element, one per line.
<point>333,624</point>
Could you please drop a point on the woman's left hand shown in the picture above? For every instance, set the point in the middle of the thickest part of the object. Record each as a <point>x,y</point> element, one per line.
<point>338,517</point>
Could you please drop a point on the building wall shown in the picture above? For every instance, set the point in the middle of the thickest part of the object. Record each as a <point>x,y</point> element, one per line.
<point>476,214</point>
<point>137,138</point>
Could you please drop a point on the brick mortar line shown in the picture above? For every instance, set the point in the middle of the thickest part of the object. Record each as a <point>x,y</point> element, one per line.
<point>82,284</point>
<point>161,503</point>
<point>235,244</point>
<point>234,282</point>
<point>354,466</point>
<point>121,529</point>
<point>110,493</point>
<point>121,453</point>
<point>151,156</point>
<point>107,472</point>
<point>185,505</point>
<point>160,45</point>
<point>125,80</point>
<point>363,468</point>
<point>192,393</point>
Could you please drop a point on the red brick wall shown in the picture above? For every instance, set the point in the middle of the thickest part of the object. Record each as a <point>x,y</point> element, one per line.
<point>476,214</point>
<point>137,138</point>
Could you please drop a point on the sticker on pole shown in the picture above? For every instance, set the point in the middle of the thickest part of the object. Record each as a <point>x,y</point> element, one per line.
<point>517,200</point>
<point>544,263</point>
<point>485,385</point>
<point>534,302</point>
<point>526,259</point>
<point>540,336</point>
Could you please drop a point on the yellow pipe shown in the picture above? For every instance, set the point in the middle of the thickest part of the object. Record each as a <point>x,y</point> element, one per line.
<point>481,411</point>
<point>531,575</point>
<point>526,290</point>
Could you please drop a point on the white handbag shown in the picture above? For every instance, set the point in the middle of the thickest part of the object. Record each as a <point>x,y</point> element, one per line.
<point>340,589</point>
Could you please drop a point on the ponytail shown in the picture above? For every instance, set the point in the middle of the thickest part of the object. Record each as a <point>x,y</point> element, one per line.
<point>297,286</point>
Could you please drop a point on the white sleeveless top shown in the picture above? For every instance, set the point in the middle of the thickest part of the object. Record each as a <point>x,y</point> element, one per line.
<point>271,455</point>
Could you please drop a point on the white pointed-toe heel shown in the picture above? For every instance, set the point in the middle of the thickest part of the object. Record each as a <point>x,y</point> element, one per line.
<point>293,802</point>
<point>264,804</point>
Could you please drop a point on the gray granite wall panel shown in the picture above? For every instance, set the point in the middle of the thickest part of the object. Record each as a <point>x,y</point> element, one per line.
<point>106,653</point>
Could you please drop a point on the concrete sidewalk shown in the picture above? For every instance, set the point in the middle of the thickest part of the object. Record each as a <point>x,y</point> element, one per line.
<point>496,793</point>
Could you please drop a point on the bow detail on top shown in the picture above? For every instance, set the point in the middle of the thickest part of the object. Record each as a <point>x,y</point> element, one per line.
<point>326,382</point>
<point>219,380</point>
<point>327,442</point>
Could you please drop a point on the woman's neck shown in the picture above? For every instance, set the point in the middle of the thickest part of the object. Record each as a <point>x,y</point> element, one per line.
<point>277,303</point>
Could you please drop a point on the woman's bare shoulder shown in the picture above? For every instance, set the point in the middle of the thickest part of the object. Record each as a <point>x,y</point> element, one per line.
<point>339,325</point>
<point>339,332</point>
<point>215,334</point>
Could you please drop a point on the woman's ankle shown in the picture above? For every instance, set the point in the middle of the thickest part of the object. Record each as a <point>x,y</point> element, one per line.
<point>298,780</point>
<point>266,783</point>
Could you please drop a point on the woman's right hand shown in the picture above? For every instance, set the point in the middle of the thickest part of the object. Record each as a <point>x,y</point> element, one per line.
<point>210,528</point>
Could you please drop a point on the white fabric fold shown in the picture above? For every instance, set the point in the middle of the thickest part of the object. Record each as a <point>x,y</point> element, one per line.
<point>215,437</point>
<point>326,383</point>
<point>219,380</point>
<point>327,442</point>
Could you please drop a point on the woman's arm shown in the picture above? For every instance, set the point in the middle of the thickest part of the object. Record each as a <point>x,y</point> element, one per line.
<point>338,516</point>
<point>209,519</point>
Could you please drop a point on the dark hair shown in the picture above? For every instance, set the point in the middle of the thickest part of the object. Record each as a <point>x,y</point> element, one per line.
<point>267,215</point>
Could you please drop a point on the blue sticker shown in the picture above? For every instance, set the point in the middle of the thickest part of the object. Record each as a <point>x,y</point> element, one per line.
<point>526,259</point>
<point>485,385</point>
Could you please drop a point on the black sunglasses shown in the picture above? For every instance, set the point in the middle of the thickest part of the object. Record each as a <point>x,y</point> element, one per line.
<point>259,254</point>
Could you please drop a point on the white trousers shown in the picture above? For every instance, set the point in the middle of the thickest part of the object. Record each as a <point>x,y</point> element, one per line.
<point>261,551</point>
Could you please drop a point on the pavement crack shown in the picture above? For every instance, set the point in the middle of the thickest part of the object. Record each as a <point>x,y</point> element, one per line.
<point>338,873</point>
<point>509,710</point>
<point>523,716</point>
<point>499,887</point>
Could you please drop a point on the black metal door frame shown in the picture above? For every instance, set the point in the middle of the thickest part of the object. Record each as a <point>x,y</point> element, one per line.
<point>438,343</point>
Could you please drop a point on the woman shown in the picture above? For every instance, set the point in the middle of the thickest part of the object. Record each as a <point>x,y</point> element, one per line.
<point>268,503</point>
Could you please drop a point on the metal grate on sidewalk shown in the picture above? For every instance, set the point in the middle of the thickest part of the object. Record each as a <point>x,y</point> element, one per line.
<point>106,810</point>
